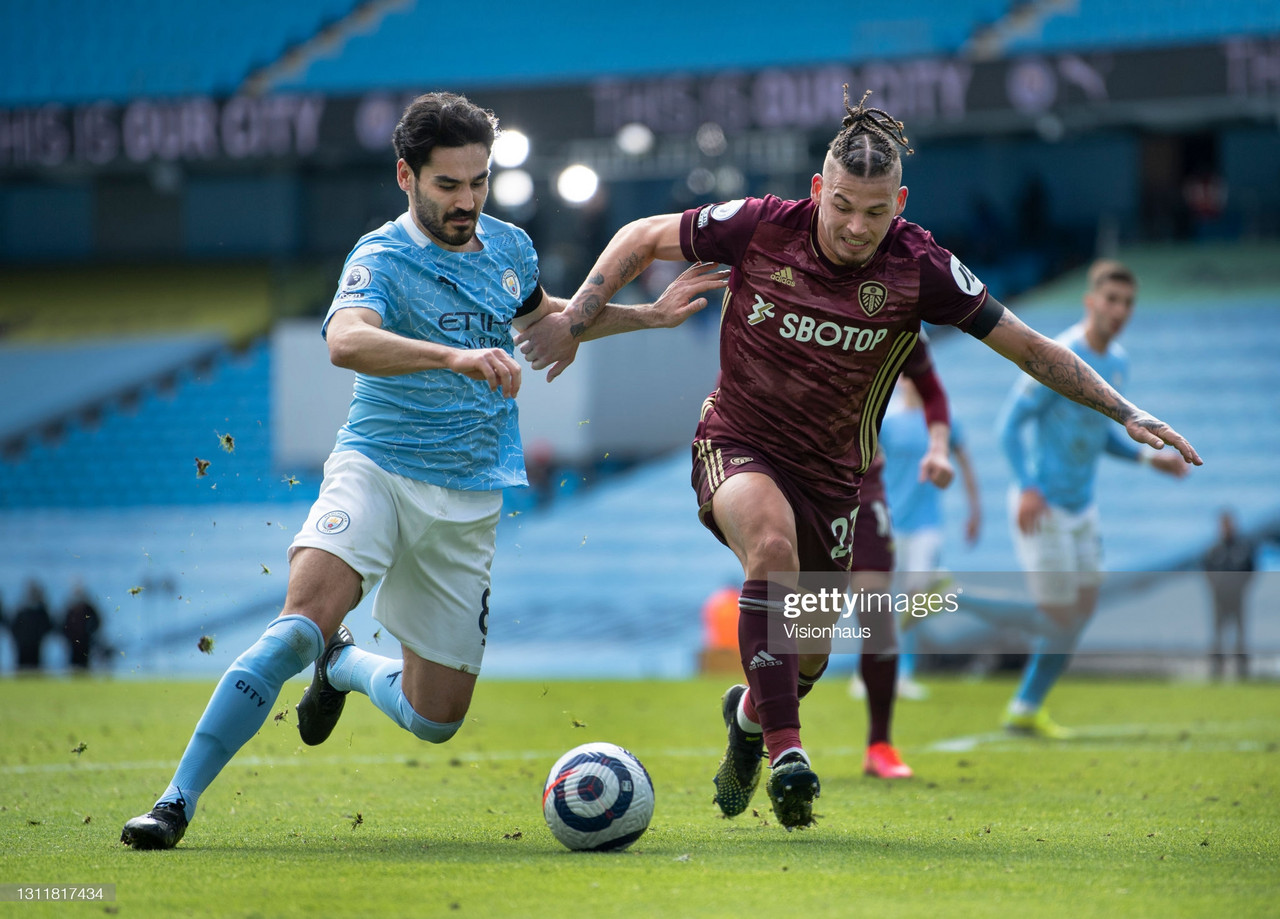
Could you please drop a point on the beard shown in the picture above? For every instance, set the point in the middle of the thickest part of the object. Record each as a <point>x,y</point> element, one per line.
<point>437,224</point>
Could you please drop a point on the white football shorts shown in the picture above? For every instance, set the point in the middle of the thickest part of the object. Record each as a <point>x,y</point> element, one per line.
<point>426,549</point>
<point>1062,556</point>
<point>918,555</point>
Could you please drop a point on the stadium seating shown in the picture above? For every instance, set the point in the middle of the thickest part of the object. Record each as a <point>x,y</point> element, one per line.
<point>142,450</point>
<point>154,49</point>
<point>1089,25</point>
<point>145,48</point>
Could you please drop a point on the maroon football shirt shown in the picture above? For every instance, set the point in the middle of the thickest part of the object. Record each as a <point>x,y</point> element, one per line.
<point>810,350</point>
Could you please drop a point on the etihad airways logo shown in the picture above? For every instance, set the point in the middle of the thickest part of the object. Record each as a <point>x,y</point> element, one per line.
<point>760,311</point>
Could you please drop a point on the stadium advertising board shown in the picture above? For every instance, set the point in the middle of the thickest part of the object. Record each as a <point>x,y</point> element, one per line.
<point>1234,78</point>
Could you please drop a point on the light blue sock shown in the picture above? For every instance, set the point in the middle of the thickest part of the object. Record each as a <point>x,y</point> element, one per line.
<point>240,704</point>
<point>907,657</point>
<point>379,678</point>
<point>1046,665</point>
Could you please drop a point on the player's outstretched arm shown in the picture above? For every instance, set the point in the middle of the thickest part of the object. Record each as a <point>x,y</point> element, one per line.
<point>631,251</point>
<point>684,296</point>
<point>1057,367</point>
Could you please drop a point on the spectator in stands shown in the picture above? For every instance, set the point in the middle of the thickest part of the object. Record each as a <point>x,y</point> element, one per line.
<point>827,296</point>
<point>1052,511</point>
<point>80,623</point>
<point>1228,566</point>
<point>31,623</point>
<point>413,489</point>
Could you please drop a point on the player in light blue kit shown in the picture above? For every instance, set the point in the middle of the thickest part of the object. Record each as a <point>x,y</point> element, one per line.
<point>412,491</point>
<point>1053,517</point>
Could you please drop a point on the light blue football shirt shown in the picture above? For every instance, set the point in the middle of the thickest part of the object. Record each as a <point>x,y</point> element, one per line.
<point>1066,438</point>
<point>904,438</point>
<point>438,426</point>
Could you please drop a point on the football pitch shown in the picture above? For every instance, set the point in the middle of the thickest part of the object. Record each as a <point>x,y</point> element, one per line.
<point>1168,804</point>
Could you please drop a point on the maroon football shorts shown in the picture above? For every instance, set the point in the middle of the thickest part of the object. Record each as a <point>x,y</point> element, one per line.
<point>824,523</point>
<point>873,533</point>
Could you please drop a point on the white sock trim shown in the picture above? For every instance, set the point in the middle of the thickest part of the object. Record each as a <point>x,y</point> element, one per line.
<point>746,723</point>
<point>800,750</point>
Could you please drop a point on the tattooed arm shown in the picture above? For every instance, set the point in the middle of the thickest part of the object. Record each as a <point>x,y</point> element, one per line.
<point>631,251</point>
<point>684,296</point>
<point>1060,369</point>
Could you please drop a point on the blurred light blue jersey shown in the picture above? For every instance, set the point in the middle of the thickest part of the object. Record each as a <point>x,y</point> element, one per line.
<point>904,437</point>
<point>438,426</point>
<point>1065,439</point>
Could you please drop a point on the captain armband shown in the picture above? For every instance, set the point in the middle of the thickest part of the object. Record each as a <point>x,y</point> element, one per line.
<point>987,317</point>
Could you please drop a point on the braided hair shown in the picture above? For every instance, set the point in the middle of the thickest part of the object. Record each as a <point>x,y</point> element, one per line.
<point>869,138</point>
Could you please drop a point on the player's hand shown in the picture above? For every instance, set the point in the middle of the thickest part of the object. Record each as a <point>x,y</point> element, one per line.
<point>937,468</point>
<point>490,365</point>
<point>1031,509</point>
<point>549,343</point>
<point>973,527</point>
<point>1155,433</point>
<point>686,294</point>
<point>1170,464</point>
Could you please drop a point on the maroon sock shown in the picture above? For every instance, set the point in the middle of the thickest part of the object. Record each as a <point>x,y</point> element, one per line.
<point>806,682</point>
<point>880,676</point>
<point>780,741</point>
<point>771,676</point>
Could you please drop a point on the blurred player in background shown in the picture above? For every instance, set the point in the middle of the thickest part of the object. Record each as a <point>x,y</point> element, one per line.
<point>916,439</point>
<point>826,297</point>
<point>412,491</point>
<point>1053,517</point>
<point>915,506</point>
<point>913,499</point>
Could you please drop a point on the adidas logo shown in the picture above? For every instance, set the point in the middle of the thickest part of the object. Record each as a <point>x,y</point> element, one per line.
<point>764,659</point>
<point>783,276</point>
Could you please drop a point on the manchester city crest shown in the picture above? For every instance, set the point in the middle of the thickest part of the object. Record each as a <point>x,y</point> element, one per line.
<point>872,296</point>
<point>511,283</point>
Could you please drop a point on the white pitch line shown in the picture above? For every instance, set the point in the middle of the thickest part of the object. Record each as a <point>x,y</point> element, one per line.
<point>1008,743</point>
<point>1083,735</point>
<point>442,759</point>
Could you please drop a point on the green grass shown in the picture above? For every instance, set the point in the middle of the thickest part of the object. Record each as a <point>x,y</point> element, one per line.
<point>1167,806</point>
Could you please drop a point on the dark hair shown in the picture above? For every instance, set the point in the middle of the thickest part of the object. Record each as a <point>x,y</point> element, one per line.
<point>1107,269</point>
<point>869,138</point>
<point>441,120</point>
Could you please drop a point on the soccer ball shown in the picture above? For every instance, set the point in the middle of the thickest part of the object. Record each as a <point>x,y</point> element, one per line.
<point>598,797</point>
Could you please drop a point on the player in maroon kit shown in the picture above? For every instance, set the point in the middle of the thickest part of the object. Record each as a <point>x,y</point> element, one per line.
<point>824,305</point>
<point>873,563</point>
